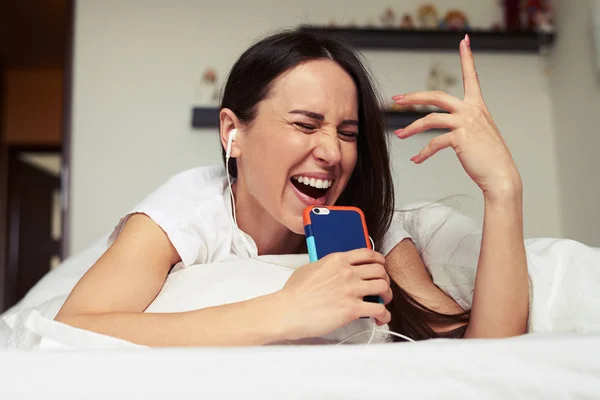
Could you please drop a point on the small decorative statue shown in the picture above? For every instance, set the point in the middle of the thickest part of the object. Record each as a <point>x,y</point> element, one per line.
<point>209,79</point>
<point>544,19</point>
<point>455,20</point>
<point>439,79</point>
<point>406,22</point>
<point>537,15</point>
<point>388,18</point>
<point>428,16</point>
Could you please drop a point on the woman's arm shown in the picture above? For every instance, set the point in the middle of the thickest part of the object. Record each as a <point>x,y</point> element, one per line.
<point>112,296</point>
<point>501,297</point>
<point>317,299</point>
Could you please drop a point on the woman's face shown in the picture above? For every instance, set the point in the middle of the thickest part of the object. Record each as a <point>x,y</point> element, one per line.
<point>301,148</point>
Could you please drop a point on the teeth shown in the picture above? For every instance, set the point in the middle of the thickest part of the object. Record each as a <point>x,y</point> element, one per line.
<point>317,183</point>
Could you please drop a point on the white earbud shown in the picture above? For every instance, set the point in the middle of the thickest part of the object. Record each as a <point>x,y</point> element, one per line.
<point>230,140</point>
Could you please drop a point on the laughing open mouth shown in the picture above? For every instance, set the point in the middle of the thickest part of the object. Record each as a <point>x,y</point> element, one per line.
<point>315,188</point>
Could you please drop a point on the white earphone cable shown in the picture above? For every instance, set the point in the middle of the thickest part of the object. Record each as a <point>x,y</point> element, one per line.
<point>377,330</point>
<point>231,195</point>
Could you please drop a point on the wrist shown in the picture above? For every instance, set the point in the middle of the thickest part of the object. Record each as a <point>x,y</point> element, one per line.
<point>503,192</point>
<point>280,328</point>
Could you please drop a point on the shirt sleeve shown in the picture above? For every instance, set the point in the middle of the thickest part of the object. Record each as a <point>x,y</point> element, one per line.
<point>175,207</point>
<point>395,234</point>
<point>449,243</point>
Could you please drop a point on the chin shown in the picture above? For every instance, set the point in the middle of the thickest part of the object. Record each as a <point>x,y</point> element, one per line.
<point>295,224</point>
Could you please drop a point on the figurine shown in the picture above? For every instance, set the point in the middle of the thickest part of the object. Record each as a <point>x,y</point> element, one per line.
<point>544,21</point>
<point>438,79</point>
<point>406,22</point>
<point>536,15</point>
<point>455,20</point>
<point>209,78</point>
<point>388,18</point>
<point>428,16</point>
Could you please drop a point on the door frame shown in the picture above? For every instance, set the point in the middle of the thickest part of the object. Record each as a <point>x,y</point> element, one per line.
<point>66,153</point>
<point>3,192</point>
<point>11,272</point>
<point>65,177</point>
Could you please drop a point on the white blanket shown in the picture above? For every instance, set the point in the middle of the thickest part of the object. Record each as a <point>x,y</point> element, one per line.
<point>530,367</point>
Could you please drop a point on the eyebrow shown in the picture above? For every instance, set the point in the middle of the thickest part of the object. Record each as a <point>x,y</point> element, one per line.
<point>320,117</point>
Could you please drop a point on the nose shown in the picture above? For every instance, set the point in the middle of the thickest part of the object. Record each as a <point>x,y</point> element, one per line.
<point>328,151</point>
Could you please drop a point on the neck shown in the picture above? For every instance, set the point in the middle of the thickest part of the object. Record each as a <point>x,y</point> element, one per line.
<point>270,236</point>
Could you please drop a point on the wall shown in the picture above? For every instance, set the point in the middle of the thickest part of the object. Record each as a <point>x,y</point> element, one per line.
<point>575,85</point>
<point>137,70</point>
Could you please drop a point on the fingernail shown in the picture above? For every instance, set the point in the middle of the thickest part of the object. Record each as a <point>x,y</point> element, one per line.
<point>468,40</point>
<point>399,131</point>
<point>413,158</point>
<point>398,97</point>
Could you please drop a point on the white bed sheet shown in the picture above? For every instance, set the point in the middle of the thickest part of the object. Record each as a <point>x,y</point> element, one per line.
<point>544,366</point>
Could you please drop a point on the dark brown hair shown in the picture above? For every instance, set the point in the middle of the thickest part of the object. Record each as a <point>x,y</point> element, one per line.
<point>413,319</point>
<point>370,187</point>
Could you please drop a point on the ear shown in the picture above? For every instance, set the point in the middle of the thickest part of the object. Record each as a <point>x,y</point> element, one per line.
<point>229,122</point>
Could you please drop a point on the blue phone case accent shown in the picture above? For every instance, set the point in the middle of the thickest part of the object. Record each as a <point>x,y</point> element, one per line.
<point>310,244</point>
<point>312,249</point>
<point>338,231</point>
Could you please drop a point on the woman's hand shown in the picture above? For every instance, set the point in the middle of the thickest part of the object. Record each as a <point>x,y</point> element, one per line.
<point>473,134</point>
<point>326,295</point>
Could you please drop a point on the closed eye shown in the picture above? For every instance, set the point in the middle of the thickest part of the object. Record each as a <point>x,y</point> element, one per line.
<point>306,127</point>
<point>349,136</point>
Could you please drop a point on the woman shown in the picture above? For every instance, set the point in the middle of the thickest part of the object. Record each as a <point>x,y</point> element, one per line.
<point>309,131</point>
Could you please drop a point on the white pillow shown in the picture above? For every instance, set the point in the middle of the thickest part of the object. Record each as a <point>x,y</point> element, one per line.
<point>207,285</point>
<point>200,286</point>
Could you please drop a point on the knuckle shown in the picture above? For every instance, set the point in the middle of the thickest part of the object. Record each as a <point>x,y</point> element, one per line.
<point>435,142</point>
<point>438,94</point>
<point>429,118</point>
<point>381,286</point>
<point>370,254</point>
<point>383,314</point>
<point>338,258</point>
<point>346,273</point>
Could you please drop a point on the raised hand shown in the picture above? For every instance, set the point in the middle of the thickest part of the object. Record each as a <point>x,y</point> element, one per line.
<point>473,134</point>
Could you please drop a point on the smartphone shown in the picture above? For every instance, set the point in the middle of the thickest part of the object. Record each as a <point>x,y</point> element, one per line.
<point>335,229</point>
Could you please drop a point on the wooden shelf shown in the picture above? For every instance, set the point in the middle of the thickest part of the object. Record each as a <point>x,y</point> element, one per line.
<point>438,40</point>
<point>208,117</point>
